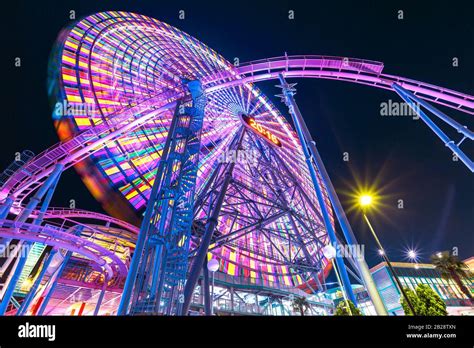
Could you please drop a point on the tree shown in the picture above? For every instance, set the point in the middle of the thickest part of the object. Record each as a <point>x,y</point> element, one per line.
<point>425,301</point>
<point>342,309</point>
<point>413,300</point>
<point>451,267</point>
<point>300,304</point>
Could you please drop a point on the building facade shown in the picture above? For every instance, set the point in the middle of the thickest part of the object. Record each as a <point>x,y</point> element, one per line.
<point>413,274</point>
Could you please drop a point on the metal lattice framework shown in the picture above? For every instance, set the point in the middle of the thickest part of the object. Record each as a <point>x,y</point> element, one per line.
<point>131,60</point>
<point>116,81</point>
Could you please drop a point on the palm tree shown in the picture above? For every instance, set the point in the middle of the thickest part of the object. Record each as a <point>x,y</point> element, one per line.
<point>451,267</point>
<point>300,304</point>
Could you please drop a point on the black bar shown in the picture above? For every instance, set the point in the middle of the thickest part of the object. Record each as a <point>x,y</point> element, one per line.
<point>224,331</point>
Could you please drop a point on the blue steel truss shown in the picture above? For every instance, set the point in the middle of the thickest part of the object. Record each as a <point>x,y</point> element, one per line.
<point>157,274</point>
<point>414,102</point>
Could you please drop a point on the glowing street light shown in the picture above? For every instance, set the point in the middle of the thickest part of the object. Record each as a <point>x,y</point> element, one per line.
<point>365,200</point>
<point>412,255</point>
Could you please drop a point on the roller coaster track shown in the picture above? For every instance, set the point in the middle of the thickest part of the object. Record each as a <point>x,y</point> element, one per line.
<point>359,71</point>
<point>61,238</point>
<point>34,172</point>
<point>65,213</point>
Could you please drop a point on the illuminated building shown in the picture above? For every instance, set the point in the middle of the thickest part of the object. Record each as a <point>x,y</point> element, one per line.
<point>410,275</point>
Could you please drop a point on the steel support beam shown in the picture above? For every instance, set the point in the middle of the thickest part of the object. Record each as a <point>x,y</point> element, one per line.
<point>5,208</point>
<point>101,296</point>
<point>410,99</point>
<point>340,214</point>
<point>284,201</point>
<point>231,292</point>
<point>206,289</point>
<point>305,138</point>
<point>31,294</point>
<point>142,236</point>
<point>55,277</point>
<point>158,269</point>
<point>34,201</point>
<point>206,239</point>
<point>11,283</point>
<point>54,282</point>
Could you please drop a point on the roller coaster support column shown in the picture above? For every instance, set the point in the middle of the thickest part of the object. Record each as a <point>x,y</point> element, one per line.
<point>46,201</point>
<point>146,225</point>
<point>50,183</point>
<point>5,208</point>
<point>22,217</point>
<point>363,269</point>
<point>31,294</point>
<point>54,278</point>
<point>206,239</point>
<point>157,276</point>
<point>410,99</point>
<point>305,138</point>
<point>101,296</point>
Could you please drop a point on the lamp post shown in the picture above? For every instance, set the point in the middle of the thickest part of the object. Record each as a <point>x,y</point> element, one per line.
<point>365,202</point>
<point>330,253</point>
<point>212,266</point>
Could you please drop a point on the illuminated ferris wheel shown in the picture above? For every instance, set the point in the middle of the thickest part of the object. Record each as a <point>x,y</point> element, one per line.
<point>122,61</point>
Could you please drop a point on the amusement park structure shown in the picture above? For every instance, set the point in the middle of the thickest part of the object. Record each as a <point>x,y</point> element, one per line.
<point>192,163</point>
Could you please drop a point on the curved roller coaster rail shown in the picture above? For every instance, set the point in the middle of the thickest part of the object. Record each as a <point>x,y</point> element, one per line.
<point>63,239</point>
<point>345,69</point>
<point>29,176</point>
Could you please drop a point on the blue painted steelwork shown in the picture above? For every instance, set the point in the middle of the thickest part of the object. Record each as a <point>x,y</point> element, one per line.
<point>36,199</point>
<point>38,247</point>
<point>48,185</point>
<point>53,281</point>
<point>361,264</point>
<point>288,93</point>
<point>101,296</point>
<point>214,211</point>
<point>5,208</point>
<point>410,99</point>
<point>205,287</point>
<point>306,253</point>
<point>157,274</point>
<point>31,294</point>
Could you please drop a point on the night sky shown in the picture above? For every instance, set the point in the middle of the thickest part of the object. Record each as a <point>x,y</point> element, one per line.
<point>401,156</point>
